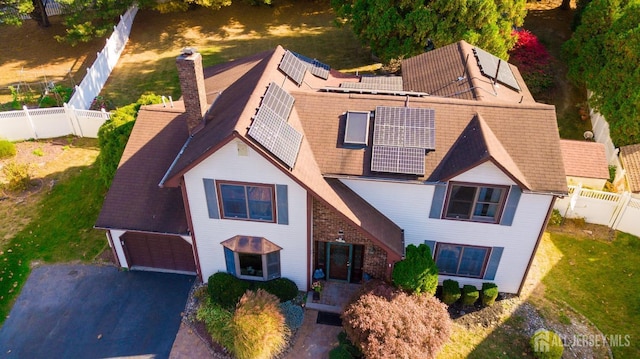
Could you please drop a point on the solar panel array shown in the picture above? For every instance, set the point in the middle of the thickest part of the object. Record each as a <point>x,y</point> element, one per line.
<point>293,67</point>
<point>488,64</point>
<point>398,160</point>
<point>314,66</point>
<point>270,127</point>
<point>404,127</point>
<point>401,135</point>
<point>382,83</point>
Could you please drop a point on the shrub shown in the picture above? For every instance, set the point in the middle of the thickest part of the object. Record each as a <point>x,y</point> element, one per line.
<point>18,176</point>
<point>417,273</point>
<point>342,351</point>
<point>218,322</point>
<point>259,329</point>
<point>114,134</point>
<point>450,291</point>
<point>7,149</point>
<point>404,326</point>
<point>225,289</point>
<point>470,294</point>
<point>533,60</point>
<point>293,314</point>
<point>556,218</point>
<point>38,152</point>
<point>283,288</point>
<point>546,345</point>
<point>489,293</point>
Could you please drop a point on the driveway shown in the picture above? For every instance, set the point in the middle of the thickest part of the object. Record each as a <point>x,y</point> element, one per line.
<point>77,311</point>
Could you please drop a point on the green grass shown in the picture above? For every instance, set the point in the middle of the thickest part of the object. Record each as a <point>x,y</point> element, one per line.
<point>600,279</point>
<point>233,32</point>
<point>61,231</point>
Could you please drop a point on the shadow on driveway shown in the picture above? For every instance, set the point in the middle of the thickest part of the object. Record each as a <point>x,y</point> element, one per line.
<point>78,311</point>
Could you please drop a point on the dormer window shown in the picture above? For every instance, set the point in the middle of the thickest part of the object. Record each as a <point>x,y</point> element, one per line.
<point>357,128</point>
<point>475,203</point>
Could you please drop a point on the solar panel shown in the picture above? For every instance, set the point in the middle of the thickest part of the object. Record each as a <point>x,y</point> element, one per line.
<point>278,100</point>
<point>404,127</point>
<point>314,66</point>
<point>276,135</point>
<point>395,159</point>
<point>388,82</point>
<point>488,64</point>
<point>357,128</point>
<point>293,67</point>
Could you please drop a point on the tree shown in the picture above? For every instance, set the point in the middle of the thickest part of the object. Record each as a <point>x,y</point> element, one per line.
<point>11,11</point>
<point>603,54</point>
<point>398,28</point>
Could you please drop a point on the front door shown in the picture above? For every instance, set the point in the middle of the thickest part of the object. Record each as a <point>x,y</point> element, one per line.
<point>339,261</point>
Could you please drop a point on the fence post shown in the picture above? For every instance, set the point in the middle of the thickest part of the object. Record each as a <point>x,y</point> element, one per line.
<point>30,120</point>
<point>75,116</point>
<point>621,207</point>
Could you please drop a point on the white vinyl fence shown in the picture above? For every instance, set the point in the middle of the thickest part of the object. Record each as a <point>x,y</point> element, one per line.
<point>50,123</point>
<point>619,211</point>
<point>107,59</point>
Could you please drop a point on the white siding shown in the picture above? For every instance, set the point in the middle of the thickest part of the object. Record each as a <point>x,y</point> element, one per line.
<point>234,163</point>
<point>408,206</point>
<point>117,244</point>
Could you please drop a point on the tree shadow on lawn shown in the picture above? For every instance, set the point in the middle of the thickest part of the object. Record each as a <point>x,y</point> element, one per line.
<point>240,30</point>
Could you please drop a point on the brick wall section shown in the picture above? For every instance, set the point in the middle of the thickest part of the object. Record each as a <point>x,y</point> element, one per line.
<point>194,94</point>
<point>327,224</point>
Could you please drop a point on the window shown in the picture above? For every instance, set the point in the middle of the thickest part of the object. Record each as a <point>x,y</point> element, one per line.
<point>460,260</point>
<point>253,258</point>
<point>475,203</point>
<point>243,201</point>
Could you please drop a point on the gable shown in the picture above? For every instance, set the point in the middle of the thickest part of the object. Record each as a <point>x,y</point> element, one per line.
<point>487,173</point>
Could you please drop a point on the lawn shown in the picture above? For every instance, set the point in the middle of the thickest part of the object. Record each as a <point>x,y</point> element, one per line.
<point>600,279</point>
<point>54,224</point>
<point>307,27</point>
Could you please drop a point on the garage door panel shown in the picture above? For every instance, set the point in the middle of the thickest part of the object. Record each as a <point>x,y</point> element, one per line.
<point>158,251</point>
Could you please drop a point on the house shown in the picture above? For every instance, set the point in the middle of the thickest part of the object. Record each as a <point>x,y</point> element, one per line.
<point>276,165</point>
<point>630,159</point>
<point>585,163</point>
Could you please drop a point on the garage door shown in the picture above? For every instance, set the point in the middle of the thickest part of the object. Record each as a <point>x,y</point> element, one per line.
<point>158,251</point>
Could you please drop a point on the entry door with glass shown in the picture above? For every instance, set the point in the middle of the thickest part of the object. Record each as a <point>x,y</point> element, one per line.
<point>339,257</point>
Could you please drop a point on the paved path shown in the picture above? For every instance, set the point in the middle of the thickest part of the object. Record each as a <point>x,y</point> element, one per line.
<point>78,311</point>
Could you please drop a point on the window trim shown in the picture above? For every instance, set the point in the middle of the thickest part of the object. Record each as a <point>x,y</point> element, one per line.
<point>485,262</point>
<point>501,205</point>
<point>272,187</point>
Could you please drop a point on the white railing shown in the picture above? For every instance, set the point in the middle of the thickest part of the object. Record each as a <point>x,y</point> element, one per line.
<point>619,211</point>
<point>50,122</point>
<point>107,59</point>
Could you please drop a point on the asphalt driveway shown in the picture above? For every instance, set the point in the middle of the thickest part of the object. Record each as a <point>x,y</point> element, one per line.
<point>77,311</point>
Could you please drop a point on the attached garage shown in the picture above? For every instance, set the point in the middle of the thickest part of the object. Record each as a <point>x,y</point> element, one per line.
<point>158,251</point>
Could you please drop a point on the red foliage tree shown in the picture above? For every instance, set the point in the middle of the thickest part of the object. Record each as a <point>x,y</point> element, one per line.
<point>533,60</point>
<point>386,323</point>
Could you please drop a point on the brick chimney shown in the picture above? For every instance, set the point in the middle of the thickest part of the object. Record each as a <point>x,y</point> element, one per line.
<point>191,76</point>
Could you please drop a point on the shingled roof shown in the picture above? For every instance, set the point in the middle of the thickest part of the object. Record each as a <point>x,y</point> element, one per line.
<point>630,158</point>
<point>134,200</point>
<point>453,71</point>
<point>517,134</point>
<point>584,159</point>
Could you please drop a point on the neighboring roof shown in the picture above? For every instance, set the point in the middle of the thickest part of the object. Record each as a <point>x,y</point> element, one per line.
<point>584,159</point>
<point>453,71</point>
<point>630,158</point>
<point>134,200</point>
